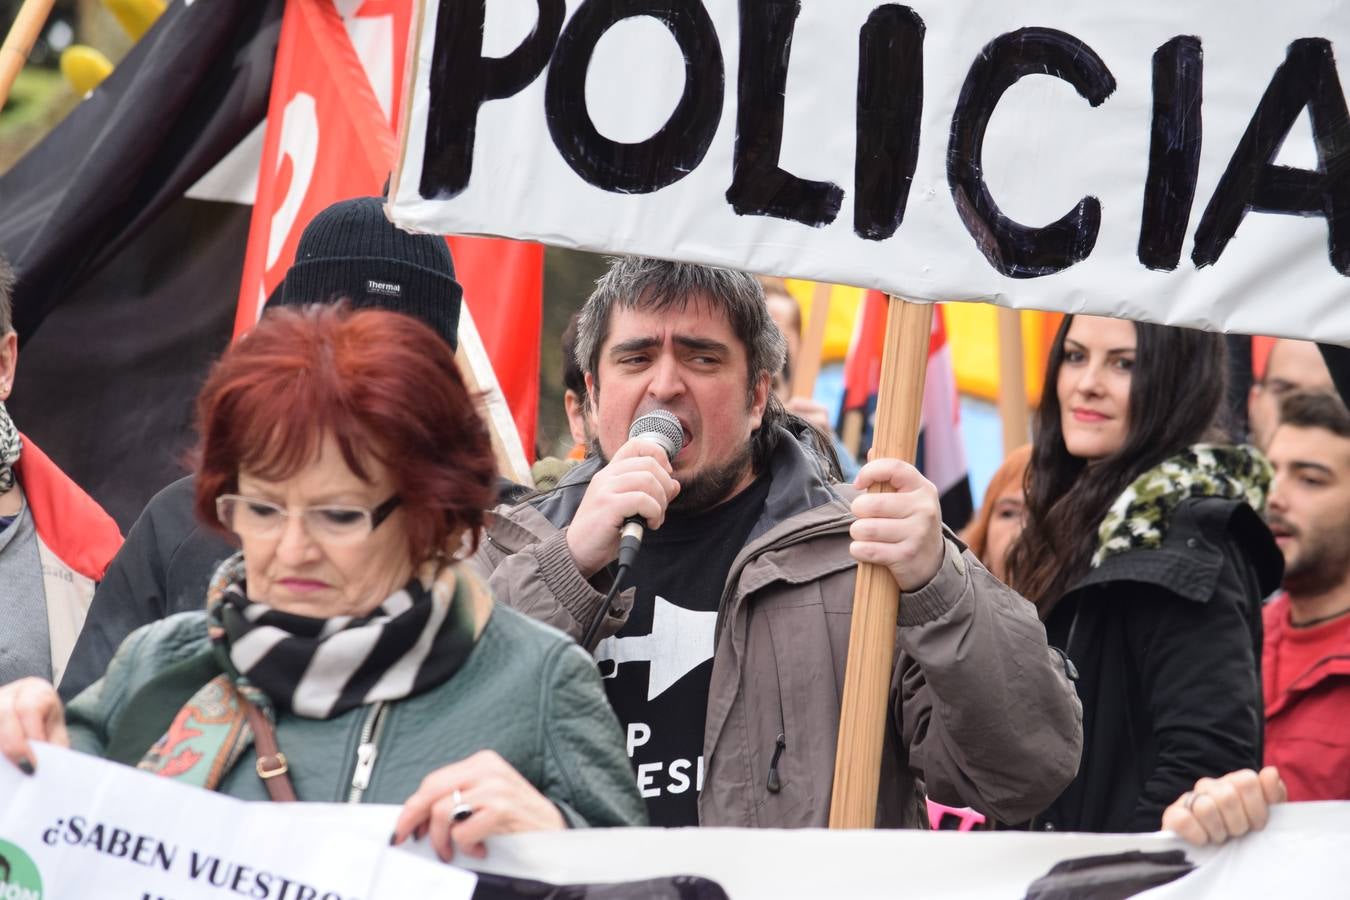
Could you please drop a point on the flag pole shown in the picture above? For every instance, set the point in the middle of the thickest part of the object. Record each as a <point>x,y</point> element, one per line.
<point>1012,385</point>
<point>876,597</point>
<point>813,343</point>
<point>481,380</point>
<point>850,432</point>
<point>23,34</point>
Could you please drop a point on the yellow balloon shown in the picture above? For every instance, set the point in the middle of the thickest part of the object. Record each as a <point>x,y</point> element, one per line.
<point>135,16</point>
<point>84,68</point>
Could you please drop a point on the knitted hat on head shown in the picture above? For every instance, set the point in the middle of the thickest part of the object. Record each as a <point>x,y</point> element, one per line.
<point>350,250</point>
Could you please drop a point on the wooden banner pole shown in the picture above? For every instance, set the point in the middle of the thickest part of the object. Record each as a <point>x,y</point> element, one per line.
<point>813,343</point>
<point>23,34</point>
<point>876,598</point>
<point>1012,385</point>
<point>481,380</point>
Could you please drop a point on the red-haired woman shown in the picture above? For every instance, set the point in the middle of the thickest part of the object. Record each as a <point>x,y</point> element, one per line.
<point>998,522</point>
<point>343,452</point>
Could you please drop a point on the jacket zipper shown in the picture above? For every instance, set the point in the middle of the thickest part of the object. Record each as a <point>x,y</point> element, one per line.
<point>723,607</point>
<point>366,751</point>
<point>507,551</point>
<point>775,783</point>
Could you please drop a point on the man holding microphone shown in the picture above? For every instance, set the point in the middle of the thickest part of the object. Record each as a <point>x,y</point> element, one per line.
<point>725,645</point>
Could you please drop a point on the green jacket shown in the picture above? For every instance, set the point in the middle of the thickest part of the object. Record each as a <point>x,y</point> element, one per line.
<point>526,692</point>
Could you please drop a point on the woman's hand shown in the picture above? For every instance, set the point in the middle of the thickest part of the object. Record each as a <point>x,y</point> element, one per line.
<point>1227,807</point>
<point>496,798</point>
<point>30,710</point>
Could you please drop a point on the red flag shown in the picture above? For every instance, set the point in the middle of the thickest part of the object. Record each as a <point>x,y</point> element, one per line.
<point>862,366</point>
<point>328,138</point>
<point>1261,347</point>
<point>504,287</point>
<point>941,456</point>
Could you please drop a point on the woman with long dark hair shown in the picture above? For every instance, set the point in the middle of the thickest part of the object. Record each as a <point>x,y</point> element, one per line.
<point>1146,556</point>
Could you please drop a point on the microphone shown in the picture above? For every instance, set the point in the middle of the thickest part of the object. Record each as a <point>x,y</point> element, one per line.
<point>663,429</point>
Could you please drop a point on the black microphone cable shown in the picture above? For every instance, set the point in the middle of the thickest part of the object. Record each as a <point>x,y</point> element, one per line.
<point>588,644</point>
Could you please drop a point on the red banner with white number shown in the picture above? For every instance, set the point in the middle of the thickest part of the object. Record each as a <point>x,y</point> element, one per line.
<point>330,135</point>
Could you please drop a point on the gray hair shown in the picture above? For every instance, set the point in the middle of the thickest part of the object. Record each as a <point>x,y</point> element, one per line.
<point>655,285</point>
<point>7,279</point>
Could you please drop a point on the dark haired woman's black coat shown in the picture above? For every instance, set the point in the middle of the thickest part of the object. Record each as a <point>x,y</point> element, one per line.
<point>1167,646</point>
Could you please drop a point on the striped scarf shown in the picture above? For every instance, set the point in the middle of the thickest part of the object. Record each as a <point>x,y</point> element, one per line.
<point>315,668</point>
<point>10,445</point>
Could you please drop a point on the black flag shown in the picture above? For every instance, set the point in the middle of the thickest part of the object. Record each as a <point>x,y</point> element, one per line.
<point>128,276</point>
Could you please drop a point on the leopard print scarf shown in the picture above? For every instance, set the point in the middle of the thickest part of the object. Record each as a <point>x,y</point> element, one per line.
<point>10,445</point>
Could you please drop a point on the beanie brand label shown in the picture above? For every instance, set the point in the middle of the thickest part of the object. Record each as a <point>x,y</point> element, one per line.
<point>386,288</point>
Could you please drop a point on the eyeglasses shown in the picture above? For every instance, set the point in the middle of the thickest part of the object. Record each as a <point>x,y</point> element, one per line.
<point>329,524</point>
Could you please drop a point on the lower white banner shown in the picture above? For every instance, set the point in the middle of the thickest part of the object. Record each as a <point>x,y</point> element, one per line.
<point>83,827</point>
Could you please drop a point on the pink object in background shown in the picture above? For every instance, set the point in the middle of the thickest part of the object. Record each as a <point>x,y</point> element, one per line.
<point>968,817</point>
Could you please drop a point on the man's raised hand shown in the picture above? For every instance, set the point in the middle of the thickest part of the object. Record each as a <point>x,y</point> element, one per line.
<point>637,482</point>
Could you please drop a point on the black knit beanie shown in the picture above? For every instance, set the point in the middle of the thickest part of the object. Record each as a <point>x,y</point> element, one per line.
<point>351,250</point>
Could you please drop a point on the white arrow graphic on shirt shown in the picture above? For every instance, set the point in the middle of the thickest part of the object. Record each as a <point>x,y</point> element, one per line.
<point>681,639</point>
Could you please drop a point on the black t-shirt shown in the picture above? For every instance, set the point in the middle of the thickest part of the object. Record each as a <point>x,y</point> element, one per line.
<point>657,669</point>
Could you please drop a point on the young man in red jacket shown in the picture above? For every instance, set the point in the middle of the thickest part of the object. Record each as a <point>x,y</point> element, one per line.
<point>1306,658</point>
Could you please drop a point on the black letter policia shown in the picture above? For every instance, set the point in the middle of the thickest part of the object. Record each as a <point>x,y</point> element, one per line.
<point>889,105</point>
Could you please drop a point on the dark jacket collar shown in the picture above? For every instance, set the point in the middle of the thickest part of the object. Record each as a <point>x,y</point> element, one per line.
<point>1191,555</point>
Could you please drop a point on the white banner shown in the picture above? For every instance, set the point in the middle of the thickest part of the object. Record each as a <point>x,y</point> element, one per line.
<point>83,827</point>
<point>1301,853</point>
<point>1185,163</point>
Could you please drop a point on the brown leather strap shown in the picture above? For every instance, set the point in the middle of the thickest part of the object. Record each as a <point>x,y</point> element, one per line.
<point>271,763</point>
